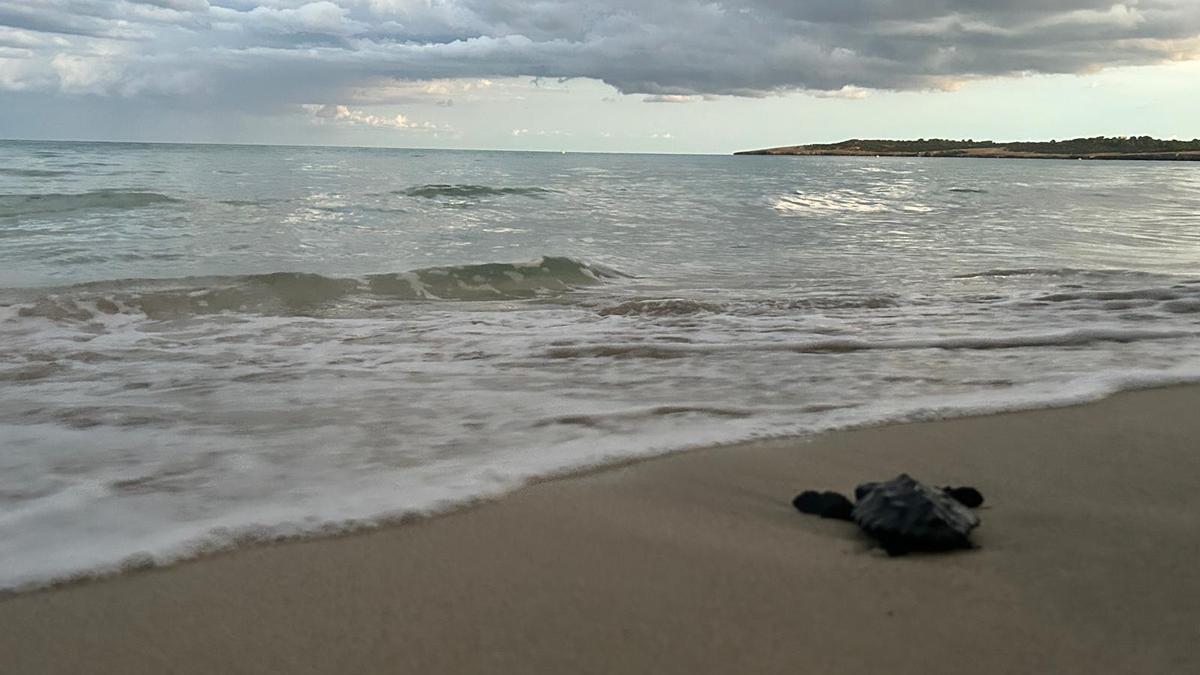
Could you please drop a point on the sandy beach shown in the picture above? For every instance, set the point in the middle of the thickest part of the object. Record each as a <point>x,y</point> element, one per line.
<point>697,563</point>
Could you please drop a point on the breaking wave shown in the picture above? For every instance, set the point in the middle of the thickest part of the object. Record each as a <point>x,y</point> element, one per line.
<point>13,205</point>
<point>304,294</point>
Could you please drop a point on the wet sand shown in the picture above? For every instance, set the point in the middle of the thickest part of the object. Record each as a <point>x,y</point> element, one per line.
<point>697,563</point>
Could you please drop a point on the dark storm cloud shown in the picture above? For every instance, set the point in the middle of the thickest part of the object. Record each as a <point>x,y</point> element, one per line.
<point>285,51</point>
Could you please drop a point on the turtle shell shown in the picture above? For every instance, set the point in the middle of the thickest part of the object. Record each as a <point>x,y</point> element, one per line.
<point>907,515</point>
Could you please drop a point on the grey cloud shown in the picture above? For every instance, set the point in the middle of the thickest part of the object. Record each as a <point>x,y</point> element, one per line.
<point>180,5</point>
<point>253,54</point>
<point>57,18</point>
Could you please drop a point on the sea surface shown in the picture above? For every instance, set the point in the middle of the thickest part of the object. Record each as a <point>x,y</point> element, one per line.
<point>204,346</point>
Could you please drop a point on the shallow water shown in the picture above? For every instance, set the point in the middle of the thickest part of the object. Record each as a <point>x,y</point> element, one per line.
<point>204,345</point>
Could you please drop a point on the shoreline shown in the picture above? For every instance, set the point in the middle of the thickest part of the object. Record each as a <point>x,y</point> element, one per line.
<point>549,577</point>
<point>235,539</point>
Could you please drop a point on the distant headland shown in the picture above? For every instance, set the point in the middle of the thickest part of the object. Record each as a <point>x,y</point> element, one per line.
<point>1100,147</point>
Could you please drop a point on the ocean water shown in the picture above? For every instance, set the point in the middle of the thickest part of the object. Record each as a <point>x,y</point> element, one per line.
<point>203,346</point>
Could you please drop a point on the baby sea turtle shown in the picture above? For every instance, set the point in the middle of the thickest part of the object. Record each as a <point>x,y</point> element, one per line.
<point>903,514</point>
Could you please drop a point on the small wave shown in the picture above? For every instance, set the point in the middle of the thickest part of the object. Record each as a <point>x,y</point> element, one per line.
<point>826,302</point>
<point>818,302</point>
<point>1155,294</point>
<point>490,281</point>
<point>440,190</point>
<point>968,190</point>
<point>599,420</point>
<point>303,294</point>
<point>1182,306</point>
<point>850,201</point>
<point>30,373</point>
<point>880,169</point>
<point>681,307</point>
<point>1074,338</point>
<point>1178,299</point>
<point>32,173</point>
<point>246,202</point>
<point>12,205</point>
<point>659,307</point>
<point>1019,272</point>
<point>1051,272</point>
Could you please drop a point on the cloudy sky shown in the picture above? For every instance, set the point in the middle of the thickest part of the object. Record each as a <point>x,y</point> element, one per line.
<point>620,75</point>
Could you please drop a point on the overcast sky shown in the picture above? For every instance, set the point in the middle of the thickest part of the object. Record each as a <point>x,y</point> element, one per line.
<point>619,75</point>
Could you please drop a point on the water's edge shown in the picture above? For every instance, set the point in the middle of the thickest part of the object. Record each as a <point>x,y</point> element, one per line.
<point>227,543</point>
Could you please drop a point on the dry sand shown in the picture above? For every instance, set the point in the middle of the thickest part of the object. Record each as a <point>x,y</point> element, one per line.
<point>697,563</point>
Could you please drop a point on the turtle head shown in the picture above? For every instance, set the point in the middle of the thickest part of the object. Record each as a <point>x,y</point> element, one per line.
<point>967,496</point>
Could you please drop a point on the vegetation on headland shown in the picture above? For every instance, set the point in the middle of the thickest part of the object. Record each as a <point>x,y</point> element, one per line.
<point>1099,147</point>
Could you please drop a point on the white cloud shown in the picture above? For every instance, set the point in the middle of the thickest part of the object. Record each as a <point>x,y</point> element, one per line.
<point>540,132</point>
<point>340,114</point>
<point>322,17</point>
<point>848,91</point>
<point>678,98</point>
<point>442,92</point>
<point>178,5</point>
<point>1117,16</point>
<point>85,74</point>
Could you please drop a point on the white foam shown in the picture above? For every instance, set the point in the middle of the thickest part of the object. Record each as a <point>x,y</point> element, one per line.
<point>1079,336</point>
<point>137,441</point>
<point>138,540</point>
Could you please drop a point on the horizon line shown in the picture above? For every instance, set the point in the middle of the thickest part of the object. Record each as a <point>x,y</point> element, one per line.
<point>357,147</point>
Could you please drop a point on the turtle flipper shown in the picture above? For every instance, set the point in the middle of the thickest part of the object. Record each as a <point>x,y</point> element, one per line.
<point>824,504</point>
<point>895,546</point>
<point>967,496</point>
